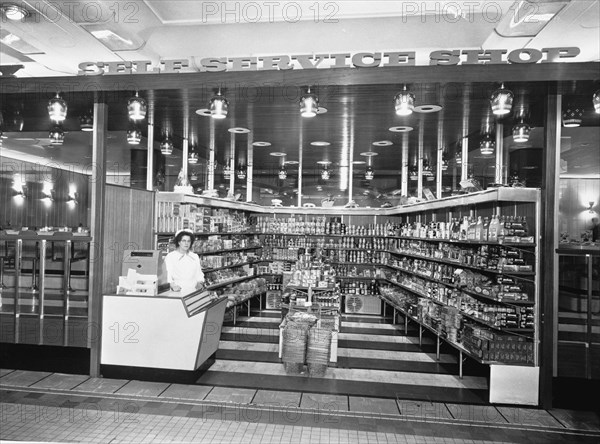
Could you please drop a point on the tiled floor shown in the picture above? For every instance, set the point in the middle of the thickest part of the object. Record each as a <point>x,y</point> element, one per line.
<point>47,407</point>
<point>253,401</point>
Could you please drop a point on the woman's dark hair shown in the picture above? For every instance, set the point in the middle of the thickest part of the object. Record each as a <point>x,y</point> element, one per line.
<point>180,235</point>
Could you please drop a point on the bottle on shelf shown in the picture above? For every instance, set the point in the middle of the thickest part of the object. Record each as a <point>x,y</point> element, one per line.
<point>485,232</point>
<point>479,229</point>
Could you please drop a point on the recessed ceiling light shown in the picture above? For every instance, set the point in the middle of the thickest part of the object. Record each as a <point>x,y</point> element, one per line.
<point>239,130</point>
<point>261,143</point>
<point>203,112</point>
<point>427,108</point>
<point>321,110</point>
<point>324,162</point>
<point>320,143</point>
<point>14,12</point>
<point>358,162</point>
<point>277,154</point>
<point>401,129</point>
<point>291,162</point>
<point>383,143</point>
<point>369,154</point>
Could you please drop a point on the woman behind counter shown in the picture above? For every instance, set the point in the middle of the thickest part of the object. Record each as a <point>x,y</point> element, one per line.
<point>183,266</point>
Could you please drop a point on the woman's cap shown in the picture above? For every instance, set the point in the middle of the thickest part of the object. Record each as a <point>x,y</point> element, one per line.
<point>185,230</point>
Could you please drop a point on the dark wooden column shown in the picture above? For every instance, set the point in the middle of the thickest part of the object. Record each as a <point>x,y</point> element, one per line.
<point>98,189</point>
<point>548,242</point>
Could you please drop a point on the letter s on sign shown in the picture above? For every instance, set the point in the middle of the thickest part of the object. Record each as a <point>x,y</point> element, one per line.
<point>90,69</point>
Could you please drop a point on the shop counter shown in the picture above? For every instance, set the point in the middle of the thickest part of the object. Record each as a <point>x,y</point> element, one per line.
<point>168,331</point>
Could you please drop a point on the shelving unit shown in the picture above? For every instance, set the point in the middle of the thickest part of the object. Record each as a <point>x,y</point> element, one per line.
<point>375,251</point>
<point>210,230</point>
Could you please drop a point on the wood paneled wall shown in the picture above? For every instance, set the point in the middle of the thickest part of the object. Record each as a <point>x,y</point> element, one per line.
<point>32,211</point>
<point>128,224</point>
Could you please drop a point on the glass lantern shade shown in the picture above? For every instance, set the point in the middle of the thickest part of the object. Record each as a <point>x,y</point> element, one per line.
<point>521,132</point>
<point>166,146</point>
<point>227,172</point>
<point>369,173</point>
<point>193,157</point>
<point>502,101</point>
<point>325,174</point>
<point>309,105</point>
<point>241,173</point>
<point>57,135</point>
<point>282,173</point>
<point>86,122</point>
<point>404,102</point>
<point>596,101</point>
<point>134,136</point>
<point>487,145</point>
<point>219,106</point>
<point>57,109</point>
<point>137,108</point>
<point>572,117</point>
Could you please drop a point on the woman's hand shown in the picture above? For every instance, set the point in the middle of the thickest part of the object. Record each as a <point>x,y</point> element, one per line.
<point>175,287</point>
<point>200,286</point>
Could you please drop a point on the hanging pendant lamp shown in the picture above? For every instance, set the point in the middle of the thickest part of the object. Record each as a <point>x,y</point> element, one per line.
<point>227,172</point>
<point>218,106</point>
<point>596,101</point>
<point>166,146</point>
<point>487,145</point>
<point>404,102</point>
<point>86,122</point>
<point>572,117</point>
<point>241,172</point>
<point>134,136</point>
<point>520,132</point>
<point>57,109</point>
<point>137,108</point>
<point>193,157</point>
<point>57,135</point>
<point>309,104</point>
<point>282,174</point>
<point>369,173</point>
<point>501,101</point>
